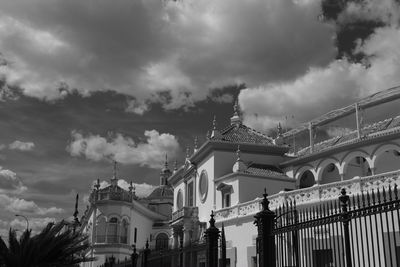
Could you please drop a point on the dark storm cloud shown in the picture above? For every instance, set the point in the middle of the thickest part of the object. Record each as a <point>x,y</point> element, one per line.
<point>143,48</point>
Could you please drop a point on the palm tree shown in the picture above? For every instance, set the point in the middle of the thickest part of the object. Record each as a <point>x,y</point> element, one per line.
<point>56,245</point>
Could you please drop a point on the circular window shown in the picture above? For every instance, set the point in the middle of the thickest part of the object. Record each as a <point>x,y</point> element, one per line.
<point>203,186</point>
<point>179,200</point>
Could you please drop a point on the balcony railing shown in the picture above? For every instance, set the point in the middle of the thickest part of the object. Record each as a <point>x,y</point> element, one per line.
<point>312,194</point>
<point>111,239</point>
<point>185,212</point>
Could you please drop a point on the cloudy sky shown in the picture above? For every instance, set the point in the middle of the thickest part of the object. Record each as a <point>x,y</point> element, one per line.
<point>87,82</point>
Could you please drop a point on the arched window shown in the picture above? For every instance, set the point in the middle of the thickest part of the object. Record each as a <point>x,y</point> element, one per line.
<point>179,200</point>
<point>357,166</point>
<point>307,179</point>
<point>387,161</point>
<point>101,228</point>
<point>124,231</point>
<point>162,241</point>
<point>330,174</point>
<point>112,230</point>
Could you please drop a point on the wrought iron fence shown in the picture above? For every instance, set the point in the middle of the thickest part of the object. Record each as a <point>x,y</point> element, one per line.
<point>362,230</point>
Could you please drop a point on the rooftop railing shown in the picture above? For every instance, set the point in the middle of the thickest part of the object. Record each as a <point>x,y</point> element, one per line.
<point>312,194</point>
<point>185,212</point>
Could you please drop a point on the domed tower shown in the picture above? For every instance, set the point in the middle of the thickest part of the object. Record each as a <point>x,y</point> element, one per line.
<point>161,199</point>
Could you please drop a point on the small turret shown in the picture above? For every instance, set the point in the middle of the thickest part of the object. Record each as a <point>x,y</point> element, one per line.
<point>239,165</point>
<point>279,137</point>
<point>215,133</point>
<point>114,179</point>
<point>165,172</point>
<point>235,119</point>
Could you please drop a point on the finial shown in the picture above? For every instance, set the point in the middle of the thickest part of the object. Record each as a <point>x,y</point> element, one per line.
<point>238,153</point>
<point>175,165</point>
<point>115,170</point>
<point>130,186</point>
<point>187,152</point>
<point>195,143</point>
<point>166,161</point>
<point>215,123</point>
<point>239,164</point>
<point>265,201</point>
<point>97,185</point>
<point>208,134</point>
<point>236,107</point>
<point>279,129</point>
<point>235,119</point>
<point>212,220</point>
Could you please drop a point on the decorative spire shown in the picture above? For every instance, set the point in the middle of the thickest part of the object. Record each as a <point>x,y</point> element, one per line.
<point>215,123</point>
<point>76,212</point>
<point>195,144</point>
<point>215,133</point>
<point>239,165</point>
<point>187,152</point>
<point>279,137</point>
<point>279,129</point>
<point>166,162</point>
<point>165,172</point>
<point>114,179</point>
<point>235,119</point>
<point>175,165</point>
<point>97,185</point>
<point>130,187</point>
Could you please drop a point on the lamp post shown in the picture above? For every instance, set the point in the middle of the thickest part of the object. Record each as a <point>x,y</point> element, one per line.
<point>26,219</point>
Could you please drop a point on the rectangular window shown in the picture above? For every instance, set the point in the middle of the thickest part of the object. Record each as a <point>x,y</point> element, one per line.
<point>190,194</point>
<point>135,237</point>
<point>227,200</point>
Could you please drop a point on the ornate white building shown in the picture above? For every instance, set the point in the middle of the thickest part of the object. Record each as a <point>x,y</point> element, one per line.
<point>227,174</point>
<point>117,219</point>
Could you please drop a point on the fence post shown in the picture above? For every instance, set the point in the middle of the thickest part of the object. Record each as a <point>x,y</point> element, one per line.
<point>265,238</point>
<point>212,235</point>
<point>134,256</point>
<point>223,247</point>
<point>344,199</point>
<point>146,254</point>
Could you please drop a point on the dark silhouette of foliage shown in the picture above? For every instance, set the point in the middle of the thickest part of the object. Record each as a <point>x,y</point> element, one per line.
<point>56,245</point>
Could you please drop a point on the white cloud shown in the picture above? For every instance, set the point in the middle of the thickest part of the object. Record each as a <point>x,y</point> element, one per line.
<point>123,149</point>
<point>22,146</point>
<point>10,183</point>
<point>185,47</point>
<point>19,205</point>
<point>324,89</point>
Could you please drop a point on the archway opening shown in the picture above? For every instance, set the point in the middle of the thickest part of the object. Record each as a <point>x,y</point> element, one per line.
<point>124,231</point>
<point>112,231</point>
<point>330,174</point>
<point>357,166</point>
<point>307,179</point>
<point>387,161</point>
<point>162,241</point>
<point>101,229</point>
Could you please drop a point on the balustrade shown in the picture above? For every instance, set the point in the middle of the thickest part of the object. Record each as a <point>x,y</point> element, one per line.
<point>312,194</point>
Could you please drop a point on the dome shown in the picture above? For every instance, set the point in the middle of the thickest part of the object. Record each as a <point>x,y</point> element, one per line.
<point>163,191</point>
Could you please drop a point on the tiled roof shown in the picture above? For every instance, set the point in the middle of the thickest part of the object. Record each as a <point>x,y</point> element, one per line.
<point>264,170</point>
<point>348,137</point>
<point>161,191</point>
<point>243,134</point>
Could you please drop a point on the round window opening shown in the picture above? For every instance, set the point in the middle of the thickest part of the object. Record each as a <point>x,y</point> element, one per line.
<point>203,186</point>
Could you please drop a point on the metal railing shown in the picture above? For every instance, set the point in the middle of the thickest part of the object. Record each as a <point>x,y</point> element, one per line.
<point>314,194</point>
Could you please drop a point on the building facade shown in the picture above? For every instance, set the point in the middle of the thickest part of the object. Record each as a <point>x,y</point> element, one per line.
<point>228,173</point>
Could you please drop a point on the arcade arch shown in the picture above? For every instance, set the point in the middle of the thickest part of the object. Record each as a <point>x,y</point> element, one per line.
<point>386,158</point>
